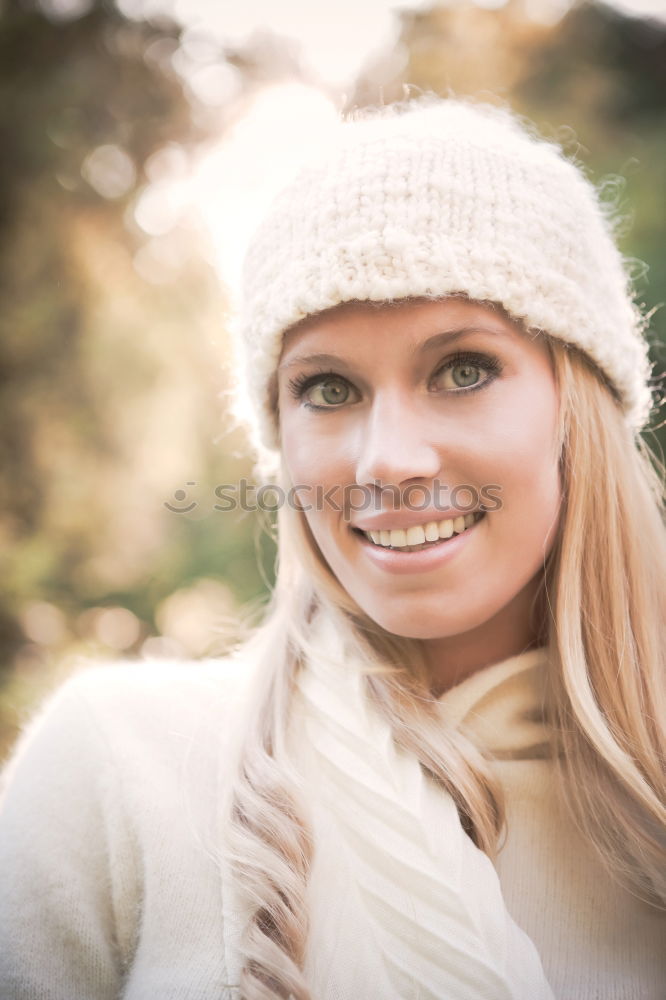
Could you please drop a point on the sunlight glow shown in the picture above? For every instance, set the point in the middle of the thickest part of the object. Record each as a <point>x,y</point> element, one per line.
<point>335,38</point>
<point>236,180</point>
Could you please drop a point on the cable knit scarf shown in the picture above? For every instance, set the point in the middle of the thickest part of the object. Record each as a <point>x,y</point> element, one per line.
<point>402,903</point>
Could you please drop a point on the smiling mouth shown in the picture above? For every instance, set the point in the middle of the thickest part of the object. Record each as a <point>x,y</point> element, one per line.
<point>423,536</point>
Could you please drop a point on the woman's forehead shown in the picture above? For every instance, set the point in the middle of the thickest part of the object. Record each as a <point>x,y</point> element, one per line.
<point>413,321</point>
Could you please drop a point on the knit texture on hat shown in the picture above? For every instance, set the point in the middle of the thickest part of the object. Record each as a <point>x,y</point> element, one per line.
<point>440,198</point>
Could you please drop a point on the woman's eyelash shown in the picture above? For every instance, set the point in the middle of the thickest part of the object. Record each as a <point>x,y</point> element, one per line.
<point>486,362</point>
<point>299,384</point>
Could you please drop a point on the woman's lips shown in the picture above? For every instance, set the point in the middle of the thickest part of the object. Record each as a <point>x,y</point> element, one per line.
<point>429,556</point>
<point>409,518</point>
<point>417,535</point>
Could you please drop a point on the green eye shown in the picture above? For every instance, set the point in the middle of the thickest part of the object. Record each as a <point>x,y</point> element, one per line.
<point>468,374</point>
<point>323,391</point>
<point>330,392</point>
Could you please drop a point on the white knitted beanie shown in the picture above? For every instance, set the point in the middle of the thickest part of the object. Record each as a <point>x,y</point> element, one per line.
<point>436,197</point>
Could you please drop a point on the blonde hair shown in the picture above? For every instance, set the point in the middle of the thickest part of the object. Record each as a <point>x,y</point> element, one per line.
<point>600,609</point>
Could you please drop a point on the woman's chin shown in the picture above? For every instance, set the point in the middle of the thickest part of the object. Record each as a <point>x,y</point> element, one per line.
<point>424,625</point>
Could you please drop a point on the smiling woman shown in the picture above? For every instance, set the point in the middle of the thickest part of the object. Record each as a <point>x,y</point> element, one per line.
<point>389,413</point>
<point>437,768</point>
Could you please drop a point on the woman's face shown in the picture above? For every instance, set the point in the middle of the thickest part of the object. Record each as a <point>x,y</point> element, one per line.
<point>399,420</point>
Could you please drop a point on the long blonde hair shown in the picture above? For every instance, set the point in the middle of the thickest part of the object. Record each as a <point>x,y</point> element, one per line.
<point>601,610</point>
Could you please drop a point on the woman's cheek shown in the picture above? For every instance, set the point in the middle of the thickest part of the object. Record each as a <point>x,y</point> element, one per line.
<point>311,457</point>
<point>307,466</point>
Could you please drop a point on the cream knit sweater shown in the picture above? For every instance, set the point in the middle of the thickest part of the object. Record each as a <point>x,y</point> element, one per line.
<point>112,887</point>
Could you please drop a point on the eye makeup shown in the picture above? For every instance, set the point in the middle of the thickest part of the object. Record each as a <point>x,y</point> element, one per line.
<point>299,385</point>
<point>482,362</point>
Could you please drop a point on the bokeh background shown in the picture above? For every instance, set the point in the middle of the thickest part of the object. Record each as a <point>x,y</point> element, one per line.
<point>139,140</point>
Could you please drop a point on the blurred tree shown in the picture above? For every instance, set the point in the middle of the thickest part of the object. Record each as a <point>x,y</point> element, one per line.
<point>113,346</point>
<point>108,382</point>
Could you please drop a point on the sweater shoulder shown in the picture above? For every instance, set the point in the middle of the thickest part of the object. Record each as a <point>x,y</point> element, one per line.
<point>131,712</point>
<point>141,690</point>
<point>110,799</point>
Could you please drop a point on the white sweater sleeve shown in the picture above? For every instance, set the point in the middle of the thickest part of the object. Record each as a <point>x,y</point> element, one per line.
<point>65,852</point>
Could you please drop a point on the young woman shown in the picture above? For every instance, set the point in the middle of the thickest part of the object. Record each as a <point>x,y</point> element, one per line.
<point>437,770</point>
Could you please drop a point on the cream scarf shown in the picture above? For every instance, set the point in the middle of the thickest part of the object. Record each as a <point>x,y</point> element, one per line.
<point>402,904</point>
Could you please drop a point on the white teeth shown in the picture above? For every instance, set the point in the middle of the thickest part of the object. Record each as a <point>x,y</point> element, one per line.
<point>398,538</point>
<point>445,528</point>
<point>432,531</point>
<point>415,535</point>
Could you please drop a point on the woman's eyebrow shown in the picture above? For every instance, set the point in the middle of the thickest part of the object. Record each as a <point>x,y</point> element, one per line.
<point>437,340</point>
<point>312,359</point>
<point>449,336</point>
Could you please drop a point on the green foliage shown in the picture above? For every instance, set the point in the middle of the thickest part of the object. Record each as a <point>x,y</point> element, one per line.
<point>108,384</point>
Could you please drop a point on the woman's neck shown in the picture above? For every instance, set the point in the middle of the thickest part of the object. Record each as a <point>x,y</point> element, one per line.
<point>510,632</point>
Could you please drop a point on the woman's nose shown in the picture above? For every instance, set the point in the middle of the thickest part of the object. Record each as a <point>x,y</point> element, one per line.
<point>396,445</point>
